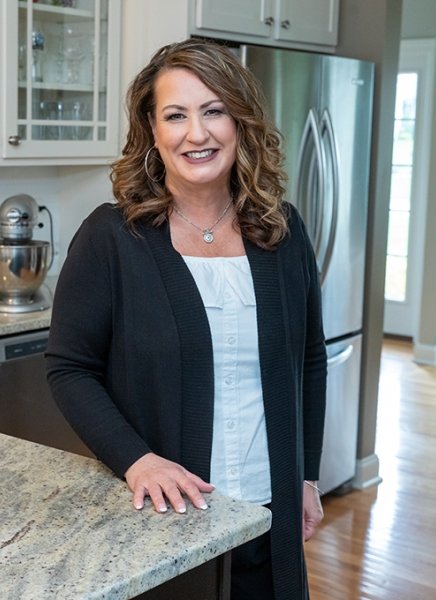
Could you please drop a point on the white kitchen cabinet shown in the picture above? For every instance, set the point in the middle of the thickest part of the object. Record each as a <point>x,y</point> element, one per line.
<point>253,17</point>
<point>60,81</point>
<point>278,22</point>
<point>308,21</point>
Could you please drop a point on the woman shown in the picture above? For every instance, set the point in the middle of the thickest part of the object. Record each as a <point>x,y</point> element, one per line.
<point>197,352</point>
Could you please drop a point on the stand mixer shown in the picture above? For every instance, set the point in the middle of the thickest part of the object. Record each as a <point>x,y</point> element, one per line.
<point>23,261</point>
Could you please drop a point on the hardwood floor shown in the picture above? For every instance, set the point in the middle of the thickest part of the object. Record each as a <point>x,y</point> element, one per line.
<point>380,543</point>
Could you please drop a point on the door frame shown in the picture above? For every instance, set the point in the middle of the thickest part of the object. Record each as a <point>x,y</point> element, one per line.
<point>416,55</point>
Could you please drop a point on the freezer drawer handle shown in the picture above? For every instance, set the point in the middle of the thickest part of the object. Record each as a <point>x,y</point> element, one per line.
<point>341,357</point>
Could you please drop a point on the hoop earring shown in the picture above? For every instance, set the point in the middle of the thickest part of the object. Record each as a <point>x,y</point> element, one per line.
<point>147,172</point>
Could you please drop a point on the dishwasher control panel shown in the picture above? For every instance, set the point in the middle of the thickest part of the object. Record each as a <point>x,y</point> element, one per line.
<point>22,345</point>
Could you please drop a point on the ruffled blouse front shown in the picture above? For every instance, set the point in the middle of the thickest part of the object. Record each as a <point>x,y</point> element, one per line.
<point>240,462</point>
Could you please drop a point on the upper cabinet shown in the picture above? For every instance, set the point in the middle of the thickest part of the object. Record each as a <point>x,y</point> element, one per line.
<point>310,21</point>
<point>276,22</point>
<point>60,81</point>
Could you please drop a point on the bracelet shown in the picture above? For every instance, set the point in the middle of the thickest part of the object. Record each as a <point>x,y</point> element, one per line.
<point>315,487</point>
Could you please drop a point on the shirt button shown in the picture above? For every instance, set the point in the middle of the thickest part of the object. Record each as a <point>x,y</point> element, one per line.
<point>233,471</point>
<point>230,424</point>
<point>228,380</point>
<point>227,295</point>
<point>231,340</point>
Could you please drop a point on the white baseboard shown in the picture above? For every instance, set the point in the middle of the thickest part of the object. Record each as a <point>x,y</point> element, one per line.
<point>367,472</point>
<point>424,354</point>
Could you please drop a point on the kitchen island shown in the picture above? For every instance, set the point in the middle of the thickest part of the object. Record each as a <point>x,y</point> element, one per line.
<point>68,531</point>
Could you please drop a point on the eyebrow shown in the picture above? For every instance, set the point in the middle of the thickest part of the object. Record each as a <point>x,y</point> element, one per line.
<point>180,107</point>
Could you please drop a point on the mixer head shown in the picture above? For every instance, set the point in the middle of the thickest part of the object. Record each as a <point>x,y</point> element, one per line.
<point>18,217</point>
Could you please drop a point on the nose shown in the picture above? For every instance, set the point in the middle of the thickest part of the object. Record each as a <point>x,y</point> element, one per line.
<point>197,130</point>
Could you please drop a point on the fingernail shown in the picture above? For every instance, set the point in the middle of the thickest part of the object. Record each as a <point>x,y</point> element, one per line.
<point>163,509</point>
<point>181,509</point>
<point>138,506</point>
<point>203,506</point>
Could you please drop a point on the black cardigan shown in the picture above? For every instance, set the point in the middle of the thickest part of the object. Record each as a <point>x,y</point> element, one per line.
<point>130,362</point>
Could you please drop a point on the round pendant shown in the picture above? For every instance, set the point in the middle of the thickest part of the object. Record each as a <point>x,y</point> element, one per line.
<point>208,236</point>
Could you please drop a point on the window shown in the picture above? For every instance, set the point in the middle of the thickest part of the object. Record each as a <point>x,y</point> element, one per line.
<point>401,185</point>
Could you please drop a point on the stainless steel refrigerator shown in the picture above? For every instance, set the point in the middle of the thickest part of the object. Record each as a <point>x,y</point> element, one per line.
<point>323,107</point>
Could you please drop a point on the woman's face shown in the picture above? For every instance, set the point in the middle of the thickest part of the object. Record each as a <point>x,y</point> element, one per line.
<point>193,131</point>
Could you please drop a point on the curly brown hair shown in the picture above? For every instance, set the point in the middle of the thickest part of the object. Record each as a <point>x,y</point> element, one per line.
<point>257,178</point>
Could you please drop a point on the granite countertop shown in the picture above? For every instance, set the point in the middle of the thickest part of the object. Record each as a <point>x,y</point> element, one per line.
<point>11,323</point>
<point>68,529</point>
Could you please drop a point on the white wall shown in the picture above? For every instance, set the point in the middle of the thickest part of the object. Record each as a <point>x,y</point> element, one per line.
<point>418,19</point>
<point>148,26</point>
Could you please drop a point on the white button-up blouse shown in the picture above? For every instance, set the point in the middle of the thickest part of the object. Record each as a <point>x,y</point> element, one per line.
<point>240,461</point>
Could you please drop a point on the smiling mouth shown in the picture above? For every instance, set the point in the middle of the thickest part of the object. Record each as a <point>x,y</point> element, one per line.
<point>200,154</point>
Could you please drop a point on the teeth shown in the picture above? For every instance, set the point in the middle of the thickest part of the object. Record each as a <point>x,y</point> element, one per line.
<point>202,154</point>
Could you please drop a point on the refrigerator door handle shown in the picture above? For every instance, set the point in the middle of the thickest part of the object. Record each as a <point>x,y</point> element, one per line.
<point>241,53</point>
<point>340,357</point>
<point>313,218</point>
<point>327,126</point>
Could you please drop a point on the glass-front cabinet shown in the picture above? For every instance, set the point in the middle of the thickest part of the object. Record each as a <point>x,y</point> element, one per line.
<point>60,79</point>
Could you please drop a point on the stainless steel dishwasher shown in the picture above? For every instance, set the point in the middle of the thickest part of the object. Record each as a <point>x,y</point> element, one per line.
<point>27,409</point>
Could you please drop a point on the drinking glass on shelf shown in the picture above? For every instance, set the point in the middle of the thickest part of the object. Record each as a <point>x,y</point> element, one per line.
<point>53,111</point>
<point>59,61</point>
<point>22,62</point>
<point>73,51</point>
<point>77,114</point>
<point>38,41</point>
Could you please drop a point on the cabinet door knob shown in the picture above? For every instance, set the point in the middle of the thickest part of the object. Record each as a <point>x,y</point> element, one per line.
<point>285,24</point>
<point>14,140</point>
<point>269,21</point>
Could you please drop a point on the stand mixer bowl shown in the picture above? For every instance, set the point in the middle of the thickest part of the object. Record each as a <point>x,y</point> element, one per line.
<point>23,268</point>
<point>23,261</point>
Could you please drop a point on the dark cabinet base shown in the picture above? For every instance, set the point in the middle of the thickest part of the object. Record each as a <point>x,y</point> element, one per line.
<point>210,581</point>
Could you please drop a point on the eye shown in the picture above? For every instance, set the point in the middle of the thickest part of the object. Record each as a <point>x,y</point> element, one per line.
<point>213,112</point>
<point>174,117</point>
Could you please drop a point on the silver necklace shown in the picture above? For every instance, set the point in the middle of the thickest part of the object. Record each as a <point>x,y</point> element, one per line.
<point>208,232</point>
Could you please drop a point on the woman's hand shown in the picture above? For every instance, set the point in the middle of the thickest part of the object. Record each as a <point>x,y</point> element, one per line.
<point>312,510</point>
<point>154,476</point>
